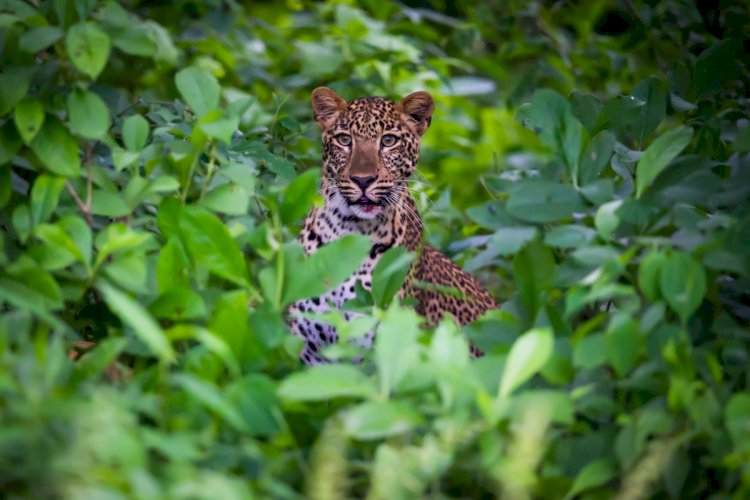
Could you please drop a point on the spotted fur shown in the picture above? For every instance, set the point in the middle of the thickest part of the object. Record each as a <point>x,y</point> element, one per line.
<point>370,149</point>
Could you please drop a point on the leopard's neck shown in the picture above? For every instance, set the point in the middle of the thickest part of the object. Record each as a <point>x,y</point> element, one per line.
<point>399,224</point>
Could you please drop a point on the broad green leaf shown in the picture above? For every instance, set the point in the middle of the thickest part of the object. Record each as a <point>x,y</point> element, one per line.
<point>395,346</point>
<point>324,382</point>
<point>117,239</point>
<point>300,195</point>
<point>179,304</point>
<point>327,268</point>
<point>21,220</point>
<point>55,236</point>
<point>380,419</point>
<point>173,268</point>
<point>108,204</point>
<point>542,201</point>
<point>606,219</point>
<point>653,92</point>
<point>648,274</point>
<point>14,83</point>
<point>10,142</point>
<point>595,474</point>
<point>683,284</point>
<point>77,229</point>
<point>596,157</point>
<point>134,315</point>
<point>737,420</point>
<point>571,236</point>
<point>590,352</point>
<point>57,149</point>
<point>256,400</point>
<point>658,155</point>
<point>101,357</point>
<point>29,117</point>
<point>229,199</point>
<point>389,274</point>
<point>585,107</point>
<point>31,288</point>
<point>88,47</point>
<point>199,89</point>
<point>210,396</point>
<point>44,197</point>
<point>619,113</point>
<point>218,126</point>
<point>135,132</point>
<point>88,115</point>
<point>715,66</point>
<point>209,242</point>
<point>559,129</point>
<point>533,270</point>
<point>624,342</point>
<point>527,356</point>
<point>599,191</point>
<point>38,39</point>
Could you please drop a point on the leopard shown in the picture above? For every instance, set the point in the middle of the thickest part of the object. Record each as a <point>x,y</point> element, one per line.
<point>370,150</point>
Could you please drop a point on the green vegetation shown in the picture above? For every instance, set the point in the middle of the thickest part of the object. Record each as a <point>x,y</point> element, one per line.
<point>589,162</point>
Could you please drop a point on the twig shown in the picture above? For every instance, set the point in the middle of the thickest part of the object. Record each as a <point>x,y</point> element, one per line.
<point>84,209</point>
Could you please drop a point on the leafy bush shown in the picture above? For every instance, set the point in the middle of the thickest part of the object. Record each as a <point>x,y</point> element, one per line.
<point>156,160</point>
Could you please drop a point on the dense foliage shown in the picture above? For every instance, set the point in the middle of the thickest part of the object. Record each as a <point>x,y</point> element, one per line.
<point>588,162</point>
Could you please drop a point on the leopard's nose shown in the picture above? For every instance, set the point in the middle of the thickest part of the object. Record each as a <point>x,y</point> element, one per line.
<point>363,181</point>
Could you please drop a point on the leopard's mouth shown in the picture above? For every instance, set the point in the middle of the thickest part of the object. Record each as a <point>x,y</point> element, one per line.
<point>366,206</point>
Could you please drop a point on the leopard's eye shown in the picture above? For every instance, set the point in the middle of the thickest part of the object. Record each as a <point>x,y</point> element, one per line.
<point>344,139</point>
<point>389,140</point>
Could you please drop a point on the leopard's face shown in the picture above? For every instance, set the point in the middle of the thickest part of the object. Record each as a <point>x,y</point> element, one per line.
<point>370,148</point>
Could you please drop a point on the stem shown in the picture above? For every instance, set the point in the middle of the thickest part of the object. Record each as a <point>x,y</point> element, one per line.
<point>279,262</point>
<point>189,178</point>
<point>82,206</point>
<point>211,170</point>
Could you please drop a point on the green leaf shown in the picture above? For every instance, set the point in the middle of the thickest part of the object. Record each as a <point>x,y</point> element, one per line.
<point>173,268</point>
<point>389,274</point>
<point>572,236</point>
<point>300,195</point>
<point>29,117</point>
<point>218,126</point>
<point>88,47</point>
<point>559,130</point>
<point>88,115</point>
<point>327,268</point>
<point>44,197</point>
<point>31,288</point>
<point>380,419</point>
<point>323,382</point>
<point>527,356</point>
<point>38,39</point>
<point>619,113</point>
<point>590,352</point>
<point>117,239</point>
<point>596,157</point>
<point>255,398</point>
<point>653,92</point>
<point>395,346</point>
<point>533,269</point>
<point>108,204</point>
<point>14,84</point>
<point>648,274</point>
<point>737,420</point>
<point>715,66</point>
<point>208,241</point>
<point>683,284</point>
<point>211,397</point>
<point>585,107</point>
<point>199,89</point>
<point>134,315</point>
<point>606,219</point>
<point>228,198</point>
<point>595,474</point>
<point>658,155</point>
<point>57,149</point>
<point>135,132</point>
<point>624,342</point>
<point>542,201</point>
<point>10,142</point>
<point>179,304</point>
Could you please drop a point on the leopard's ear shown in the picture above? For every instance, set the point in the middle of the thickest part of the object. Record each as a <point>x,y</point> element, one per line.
<point>417,109</point>
<point>326,105</point>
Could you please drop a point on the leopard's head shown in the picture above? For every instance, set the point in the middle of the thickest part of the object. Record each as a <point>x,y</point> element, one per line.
<point>370,148</point>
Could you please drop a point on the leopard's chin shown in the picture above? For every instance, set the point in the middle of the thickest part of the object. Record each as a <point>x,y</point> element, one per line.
<point>366,211</point>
